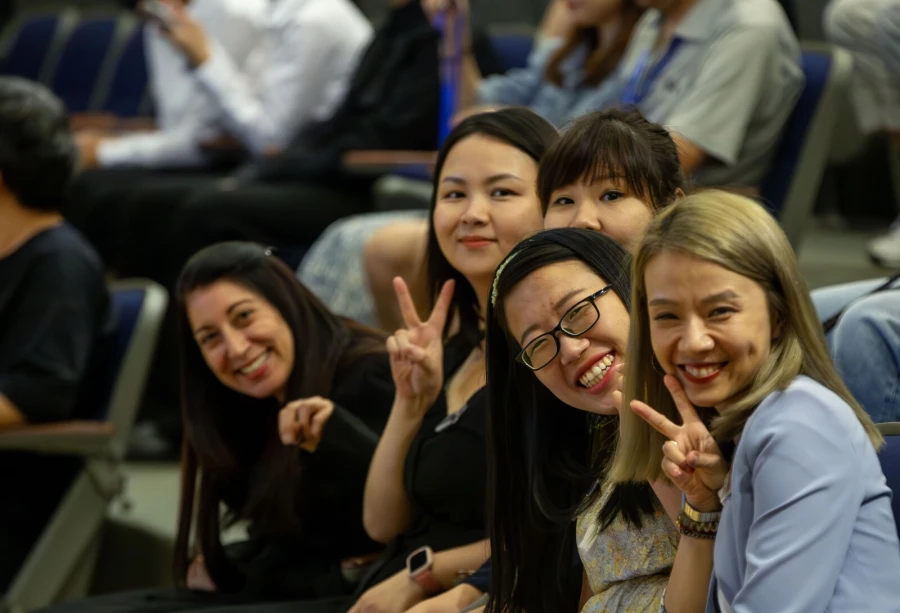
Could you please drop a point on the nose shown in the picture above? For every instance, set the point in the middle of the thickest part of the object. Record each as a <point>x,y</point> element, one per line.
<point>571,348</point>
<point>236,343</point>
<point>476,212</point>
<point>586,217</point>
<point>696,338</point>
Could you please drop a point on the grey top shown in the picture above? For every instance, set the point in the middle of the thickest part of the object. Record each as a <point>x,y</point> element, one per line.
<point>557,104</point>
<point>807,525</point>
<point>729,86</point>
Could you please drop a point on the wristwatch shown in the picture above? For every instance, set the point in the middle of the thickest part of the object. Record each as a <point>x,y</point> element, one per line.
<point>700,517</point>
<point>418,565</point>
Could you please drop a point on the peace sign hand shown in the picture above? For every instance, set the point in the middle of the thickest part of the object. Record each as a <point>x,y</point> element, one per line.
<point>691,457</point>
<point>417,351</point>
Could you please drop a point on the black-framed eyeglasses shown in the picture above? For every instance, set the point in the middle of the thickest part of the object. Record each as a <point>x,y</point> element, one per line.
<point>576,321</point>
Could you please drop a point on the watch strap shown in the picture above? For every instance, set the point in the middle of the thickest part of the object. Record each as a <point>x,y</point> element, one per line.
<point>698,516</point>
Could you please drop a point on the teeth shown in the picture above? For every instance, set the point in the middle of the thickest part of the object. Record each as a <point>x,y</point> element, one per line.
<point>594,375</point>
<point>704,371</point>
<point>250,368</point>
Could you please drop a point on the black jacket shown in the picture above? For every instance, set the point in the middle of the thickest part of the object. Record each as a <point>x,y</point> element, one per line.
<point>392,103</point>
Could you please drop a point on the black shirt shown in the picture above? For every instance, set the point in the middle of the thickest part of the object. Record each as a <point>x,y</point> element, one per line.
<point>445,475</point>
<point>56,327</point>
<point>56,324</point>
<point>329,493</point>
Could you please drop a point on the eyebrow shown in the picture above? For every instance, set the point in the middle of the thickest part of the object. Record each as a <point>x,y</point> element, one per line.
<point>491,179</point>
<point>228,312</point>
<point>726,295</point>
<point>556,307</point>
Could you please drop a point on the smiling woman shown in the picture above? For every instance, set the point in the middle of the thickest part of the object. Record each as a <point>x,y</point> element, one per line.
<point>256,343</point>
<point>557,334</point>
<point>720,308</point>
<point>244,340</point>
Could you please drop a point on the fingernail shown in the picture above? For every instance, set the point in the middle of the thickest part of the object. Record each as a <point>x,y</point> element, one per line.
<point>676,472</point>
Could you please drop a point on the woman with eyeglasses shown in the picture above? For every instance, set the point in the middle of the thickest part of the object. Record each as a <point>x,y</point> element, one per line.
<point>557,337</point>
<point>608,175</point>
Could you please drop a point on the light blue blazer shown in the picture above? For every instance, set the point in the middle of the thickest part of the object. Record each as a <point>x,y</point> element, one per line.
<point>807,525</point>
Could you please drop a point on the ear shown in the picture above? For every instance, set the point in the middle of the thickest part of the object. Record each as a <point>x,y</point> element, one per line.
<point>679,194</point>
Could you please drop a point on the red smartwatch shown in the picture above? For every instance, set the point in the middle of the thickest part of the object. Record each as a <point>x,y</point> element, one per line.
<point>418,565</point>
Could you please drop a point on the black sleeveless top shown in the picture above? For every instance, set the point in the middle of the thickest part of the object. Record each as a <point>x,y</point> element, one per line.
<point>445,476</point>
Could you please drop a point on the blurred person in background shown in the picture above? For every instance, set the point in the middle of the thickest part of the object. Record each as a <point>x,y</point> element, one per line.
<point>297,72</point>
<point>186,113</point>
<point>57,328</point>
<point>114,160</point>
<point>567,73</point>
<point>870,30</point>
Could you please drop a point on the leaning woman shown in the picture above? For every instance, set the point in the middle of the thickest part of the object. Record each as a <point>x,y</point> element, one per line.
<point>749,419</point>
<point>264,362</point>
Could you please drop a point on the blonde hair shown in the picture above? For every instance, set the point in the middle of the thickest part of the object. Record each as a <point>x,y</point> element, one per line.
<point>738,234</point>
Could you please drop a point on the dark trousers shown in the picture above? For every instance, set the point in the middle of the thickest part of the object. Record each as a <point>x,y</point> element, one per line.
<point>31,495</point>
<point>178,601</point>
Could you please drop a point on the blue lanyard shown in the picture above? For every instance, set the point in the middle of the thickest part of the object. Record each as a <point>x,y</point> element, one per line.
<point>450,69</point>
<point>641,80</point>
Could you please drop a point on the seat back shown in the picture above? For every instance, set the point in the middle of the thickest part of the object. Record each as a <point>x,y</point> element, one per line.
<point>512,46</point>
<point>31,43</point>
<point>123,80</point>
<point>890,464</point>
<point>792,184</point>
<point>78,69</point>
<point>140,307</point>
<point>61,563</point>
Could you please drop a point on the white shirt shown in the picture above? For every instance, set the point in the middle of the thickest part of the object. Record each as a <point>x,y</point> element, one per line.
<point>186,114</point>
<point>299,74</point>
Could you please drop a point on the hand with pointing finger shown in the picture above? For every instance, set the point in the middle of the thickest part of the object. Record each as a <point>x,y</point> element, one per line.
<point>417,351</point>
<point>302,422</point>
<point>691,457</point>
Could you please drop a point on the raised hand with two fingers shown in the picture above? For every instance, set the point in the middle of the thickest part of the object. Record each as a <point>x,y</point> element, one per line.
<point>691,457</point>
<point>417,351</point>
<point>303,421</point>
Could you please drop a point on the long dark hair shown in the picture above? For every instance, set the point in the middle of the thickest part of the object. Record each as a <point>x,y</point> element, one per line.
<point>517,127</point>
<point>228,434</point>
<point>599,63</point>
<point>614,143</point>
<point>544,457</point>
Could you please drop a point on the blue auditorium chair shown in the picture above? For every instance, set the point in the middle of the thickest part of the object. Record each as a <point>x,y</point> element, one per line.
<point>124,83</point>
<point>61,563</point>
<point>78,70</point>
<point>890,464</point>
<point>792,184</point>
<point>513,46</point>
<point>31,43</point>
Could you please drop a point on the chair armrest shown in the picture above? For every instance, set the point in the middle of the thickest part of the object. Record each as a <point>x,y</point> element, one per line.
<point>82,438</point>
<point>365,160</point>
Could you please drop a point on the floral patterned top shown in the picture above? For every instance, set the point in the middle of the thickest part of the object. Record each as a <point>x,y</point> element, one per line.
<point>627,569</point>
